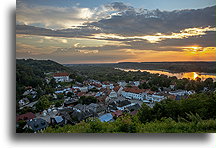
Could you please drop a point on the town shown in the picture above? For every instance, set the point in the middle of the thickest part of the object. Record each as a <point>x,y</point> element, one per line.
<point>88,100</point>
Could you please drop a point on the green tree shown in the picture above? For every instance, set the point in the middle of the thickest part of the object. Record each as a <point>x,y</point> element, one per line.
<point>209,83</point>
<point>145,114</point>
<point>58,103</point>
<point>53,83</point>
<point>43,103</point>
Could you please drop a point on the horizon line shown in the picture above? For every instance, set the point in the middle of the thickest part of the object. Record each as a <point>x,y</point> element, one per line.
<point>114,62</point>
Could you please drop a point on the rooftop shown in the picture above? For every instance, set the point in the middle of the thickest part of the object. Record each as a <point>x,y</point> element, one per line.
<point>134,90</point>
<point>61,74</point>
<point>26,116</point>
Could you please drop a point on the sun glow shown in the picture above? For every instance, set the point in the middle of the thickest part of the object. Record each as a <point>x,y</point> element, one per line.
<point>195,75</point>
<point>197,49</point>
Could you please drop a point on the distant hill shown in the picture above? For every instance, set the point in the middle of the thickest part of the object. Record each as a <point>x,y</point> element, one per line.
<point>31,73</point>
<point>42,65</point>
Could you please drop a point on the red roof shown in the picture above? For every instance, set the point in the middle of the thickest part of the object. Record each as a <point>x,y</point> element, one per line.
<point>116,88</point>
<point>61,74</point>
<point>148,91</point>
<point>106,82</point>
<point>101,99</point>
<point>97,85</point>
<point>134,90</point>
<point>108,92</point>
<point>103,89</point>
<point>117,113</point>
<point>26,116</point>
<point>81,94</point>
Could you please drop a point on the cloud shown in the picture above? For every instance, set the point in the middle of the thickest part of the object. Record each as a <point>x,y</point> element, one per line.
<point>118,6</point>
<point>114,18</point>
<point>140,21</point>
<point>52,17</point>
<point>32,50</point>
<point>113,32</point>
<point>87,51</point>
<point>159,36</point>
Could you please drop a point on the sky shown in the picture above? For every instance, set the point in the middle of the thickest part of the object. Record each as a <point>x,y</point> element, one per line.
<point>108,31</point>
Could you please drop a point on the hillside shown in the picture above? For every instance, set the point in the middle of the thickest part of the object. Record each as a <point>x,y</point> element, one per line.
<point>42,65</point>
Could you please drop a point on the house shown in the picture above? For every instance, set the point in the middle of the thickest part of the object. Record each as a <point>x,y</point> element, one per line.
<point>81,112</point>
<point>146,101</point>
<point>79,115</point>
<point>80,94</point>
<point>65,113</point>
<point>111,95</point>
<point>156,97</point>
<point>36,124</point>
<point>134,83</point>
<point>47,115</point>
<point>29,92</point>
<point>120,105</point>
<point>134,93</point>
<point>70,102</point>
<point>92,108</point>
<point>83,89</point>
<point>23,102</point>
<point>57,120</point>
<point>172,87</point>
<point>29,105</point>
<point>26,116</point>
<point>117,113</point>
<point>134,107</point>
<point>101,99</point>
<point>178,92</point>
<point>118,89</point>
<point>106,117</point>
<point>122,83</point>
<point>61,77</point>
<point>107,85</point>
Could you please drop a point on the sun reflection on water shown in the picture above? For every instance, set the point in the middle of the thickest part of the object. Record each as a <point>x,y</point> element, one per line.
<point>188,75</point>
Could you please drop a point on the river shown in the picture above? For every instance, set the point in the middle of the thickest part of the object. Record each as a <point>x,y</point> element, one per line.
<point>189,75</point>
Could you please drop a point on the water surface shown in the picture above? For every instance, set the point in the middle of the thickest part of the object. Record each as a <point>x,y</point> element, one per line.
<point>189,75</point>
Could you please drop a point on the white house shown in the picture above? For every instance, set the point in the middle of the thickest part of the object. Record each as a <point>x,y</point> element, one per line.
<point>109,86</point>
<point>29,92</point>
<point>156,97</point>
<point>132,93</point>
<point>118,90</point>
<point>136,83</point>
<point>83,89</point>
<point>61,77</point>
<point>122,83</point>
<point>179,93</point>
<point>113,94</point>
<point>23,102</point>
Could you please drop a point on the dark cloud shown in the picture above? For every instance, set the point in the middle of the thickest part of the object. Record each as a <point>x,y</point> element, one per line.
<point>118,6</point>
<point>31,30</point>
<point>207,40</point>
<point>132,22</point>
